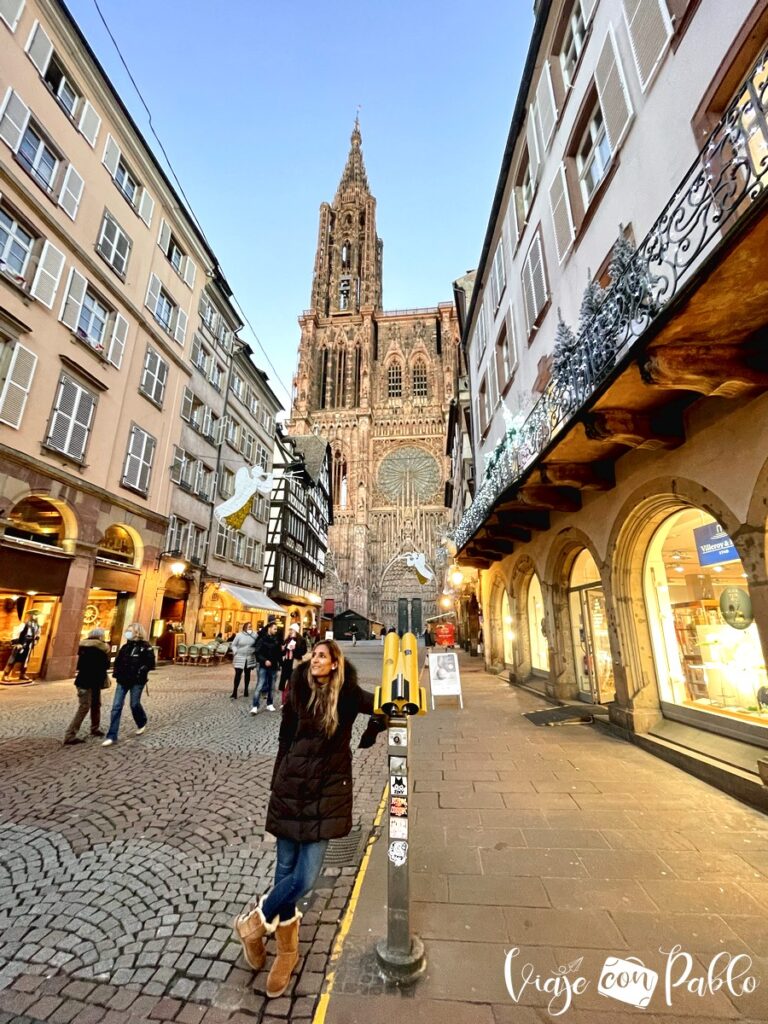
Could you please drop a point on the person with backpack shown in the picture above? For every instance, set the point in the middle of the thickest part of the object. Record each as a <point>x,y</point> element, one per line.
<point>134,661</point>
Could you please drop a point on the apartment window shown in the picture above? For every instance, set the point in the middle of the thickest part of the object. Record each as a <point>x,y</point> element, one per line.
<point>262,457</point>
<point>114,245</point>
<point>62,88</point>
<point>498,276</point>
<point>216,375</point>
<point>237,546</point>
<point>200,355</point>
<point>395,380</point>
<point>481,333</point>
<point>127,181</point>
<point>248,442</point>
<point>534,282</point>
<point>38,158</point>
<point>176,256</point>
<point>71,419</point>
<point>154,377</point>
<point>196,544</point>
<point>92,320</point>
<point>204,482</point>
<point>15,245</point>
<point>505,360</point>
<point>17,369</point>
<point>176,538</point>
<point>227,486</point>
<point>138,460</point>
<point>592,154</point>
<point>484,407</point>
<point>419,379</point>
<point>178,465</point>
<point>166,312</point>
<point>573,44</point>
<point>222,537</point>
<point>231,431</point>
<point>250,550</point>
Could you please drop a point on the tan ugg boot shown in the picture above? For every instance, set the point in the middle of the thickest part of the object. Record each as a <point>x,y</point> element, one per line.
<point>287,936</point>
<point>250,929</point>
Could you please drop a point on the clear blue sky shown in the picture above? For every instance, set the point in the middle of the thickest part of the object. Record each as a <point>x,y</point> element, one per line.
<point>255,103</point>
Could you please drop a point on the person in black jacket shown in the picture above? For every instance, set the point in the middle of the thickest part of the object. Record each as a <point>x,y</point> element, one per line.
<point>294,649</point>
<point>311,799</point>
<point>134,661</point>
<point>92,668</point>
<point>268,655</point>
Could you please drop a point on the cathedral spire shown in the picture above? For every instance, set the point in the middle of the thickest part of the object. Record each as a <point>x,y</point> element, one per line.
<point>354,175</point>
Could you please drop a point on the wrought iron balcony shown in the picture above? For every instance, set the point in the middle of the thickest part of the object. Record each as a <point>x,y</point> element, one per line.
<point>720,190</point>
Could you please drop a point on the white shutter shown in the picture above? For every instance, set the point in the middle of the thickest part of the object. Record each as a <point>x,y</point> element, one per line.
<point>187,401</point>
<point>514,219</point>
<point>71,420</point>
<point>649,28</point>
<point>161,378</point>
<point>587,6</point>
<point>189,272</point>
<point>138,460</point>
<point>153,293</point>
<point>10,12</point>
<point>89,123</point>
<point>117,344</point>
<point>533,143</point>
<point>71,192</point>
<point>13,394</point>
<point>180,326</point>
<point>562,219</point>
<point>546,107</point>
<point>48,275</point>
<point>111,156</point>
<point>612,92</point>
<point>146,206</point>
<point>164,238</point>
<point>73,301</point>
<point>14,115</point>
<point>537,274</point>
<point>81,425</point>
<point>39,47</point>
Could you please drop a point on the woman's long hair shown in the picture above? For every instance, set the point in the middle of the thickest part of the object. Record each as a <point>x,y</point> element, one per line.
<point>325,699</point>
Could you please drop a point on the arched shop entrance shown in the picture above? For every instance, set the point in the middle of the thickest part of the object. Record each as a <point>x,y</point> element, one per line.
<point>706,647</point>
<point>589,632</point>
<point>507,631</point>
<point>536,634</point>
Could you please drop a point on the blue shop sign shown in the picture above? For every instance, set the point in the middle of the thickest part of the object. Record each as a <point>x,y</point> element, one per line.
<point>713,545</point>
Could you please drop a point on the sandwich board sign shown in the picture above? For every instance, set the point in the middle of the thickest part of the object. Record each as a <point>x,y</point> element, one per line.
<point>444,677</point>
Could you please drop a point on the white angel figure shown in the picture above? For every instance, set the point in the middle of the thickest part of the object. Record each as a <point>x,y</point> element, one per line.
<point>248,481</point>
<point>418,562</point>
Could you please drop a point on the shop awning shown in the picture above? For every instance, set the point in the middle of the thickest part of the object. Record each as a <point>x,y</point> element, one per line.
<point>252,598</point>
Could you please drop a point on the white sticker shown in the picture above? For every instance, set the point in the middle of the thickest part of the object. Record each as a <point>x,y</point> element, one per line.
<point>398,828</point>
<point>398,737</point>
<point>398,852</point>
<point>397,765</point>
<point>398,785</point>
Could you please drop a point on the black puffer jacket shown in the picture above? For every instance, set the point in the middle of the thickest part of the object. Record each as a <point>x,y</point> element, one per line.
<point>92,664</point>
<point>134,661</point>
<point>312,781</point>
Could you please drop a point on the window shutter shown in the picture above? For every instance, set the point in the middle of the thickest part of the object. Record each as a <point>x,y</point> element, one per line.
<point>111,156</point>
<point>515,209</point>
<point>208,424</point>
<point>189,272</point>
<point>82,424</point>
<point>612,93</point>
<point>153,293</point>
<point>180,327</point>
<point>162,377</point>
<point>13,395</point>
<point>13,122</point>
<point>546,107</point>
<point>39,47</point>
<point>587,6</point>
<point>164,238</point>
<point>73,302</point>
<point>561,212</point>
<point>537,274</point>
<point>649,29</point>
<point>187,399</point>
<point>146,207</point>
<point>533,143</point>
<point>117,344</point>
<point>10,12</point>
<point>71,192</point>
<point>138,461</point>
<point>89,123</point>
<point>48,275</point>
<point>196,347</point>
<point>63,410</point>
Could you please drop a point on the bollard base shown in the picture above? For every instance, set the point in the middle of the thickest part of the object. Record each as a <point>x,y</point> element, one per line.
<point>401,968</point>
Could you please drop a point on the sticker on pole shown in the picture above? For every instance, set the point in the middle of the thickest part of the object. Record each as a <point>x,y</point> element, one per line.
<point>398,828</point>
<point>397,765</point>
<point>398,737</point>
<point>398,807</point>
<point>398,852</point>
<point>398,785</point>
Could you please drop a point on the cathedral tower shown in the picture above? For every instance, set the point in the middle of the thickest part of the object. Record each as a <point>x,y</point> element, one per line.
<point>378,386</point>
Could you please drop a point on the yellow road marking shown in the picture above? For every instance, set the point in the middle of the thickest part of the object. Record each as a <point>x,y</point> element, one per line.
<point>346,924</point>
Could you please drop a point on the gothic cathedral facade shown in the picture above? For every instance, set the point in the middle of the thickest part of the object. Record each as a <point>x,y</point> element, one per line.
<point>378,386</point>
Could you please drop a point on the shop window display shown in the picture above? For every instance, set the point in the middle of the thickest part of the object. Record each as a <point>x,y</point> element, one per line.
<point>705,641</point>
<point>507,626</point>
<point>589,628</point>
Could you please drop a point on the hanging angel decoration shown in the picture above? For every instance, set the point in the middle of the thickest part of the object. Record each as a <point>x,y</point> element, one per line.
<point>417,561</point>
<point>249,480</point>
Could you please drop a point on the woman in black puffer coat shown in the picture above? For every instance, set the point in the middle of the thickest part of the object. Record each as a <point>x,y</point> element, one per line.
<point>311,799</point>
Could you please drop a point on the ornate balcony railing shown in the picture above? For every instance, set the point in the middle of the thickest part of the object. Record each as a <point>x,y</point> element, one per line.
<point>727,178</point>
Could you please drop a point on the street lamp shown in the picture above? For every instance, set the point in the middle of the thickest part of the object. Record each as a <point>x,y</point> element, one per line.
<point>456,575</point>
<point>446,601</point>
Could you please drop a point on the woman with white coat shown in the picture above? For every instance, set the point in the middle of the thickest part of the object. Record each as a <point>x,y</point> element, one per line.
<point>243,657</point>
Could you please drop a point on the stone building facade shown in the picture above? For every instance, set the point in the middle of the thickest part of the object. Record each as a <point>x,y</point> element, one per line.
<point>378,387</point>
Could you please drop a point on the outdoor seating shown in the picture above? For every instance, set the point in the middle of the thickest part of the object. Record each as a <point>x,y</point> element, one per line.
<point>193,653</point>
<point>205,656</point>
<point>222,650</point>
<point>182,652</point>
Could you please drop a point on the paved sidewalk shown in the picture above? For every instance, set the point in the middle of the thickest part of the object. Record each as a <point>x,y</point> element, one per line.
<point>572,846</point>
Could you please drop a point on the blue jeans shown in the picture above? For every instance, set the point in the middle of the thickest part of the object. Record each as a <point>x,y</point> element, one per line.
<point>139,714</point>
<point>296,871</point>
<point>264,685</point>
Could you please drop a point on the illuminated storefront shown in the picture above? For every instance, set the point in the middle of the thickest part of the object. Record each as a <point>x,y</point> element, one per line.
<point>536,635</point>
<point>507,627</point>
<point>589,630</point>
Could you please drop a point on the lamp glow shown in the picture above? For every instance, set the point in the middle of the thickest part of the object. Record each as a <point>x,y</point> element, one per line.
<point>177,568</point>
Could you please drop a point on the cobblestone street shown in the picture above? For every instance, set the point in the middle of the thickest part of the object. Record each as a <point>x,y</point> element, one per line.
<point>121,869</point>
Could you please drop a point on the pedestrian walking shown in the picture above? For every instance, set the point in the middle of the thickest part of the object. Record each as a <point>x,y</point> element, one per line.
<point>134,661</point>
<point>311,800</point>
<point>294,650</point>
<point>353,634</point>
<point>22,648</point>
<point>243,657</point>
<point>268,656</point>
<point>429,640</point>
<point>92,677</point>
